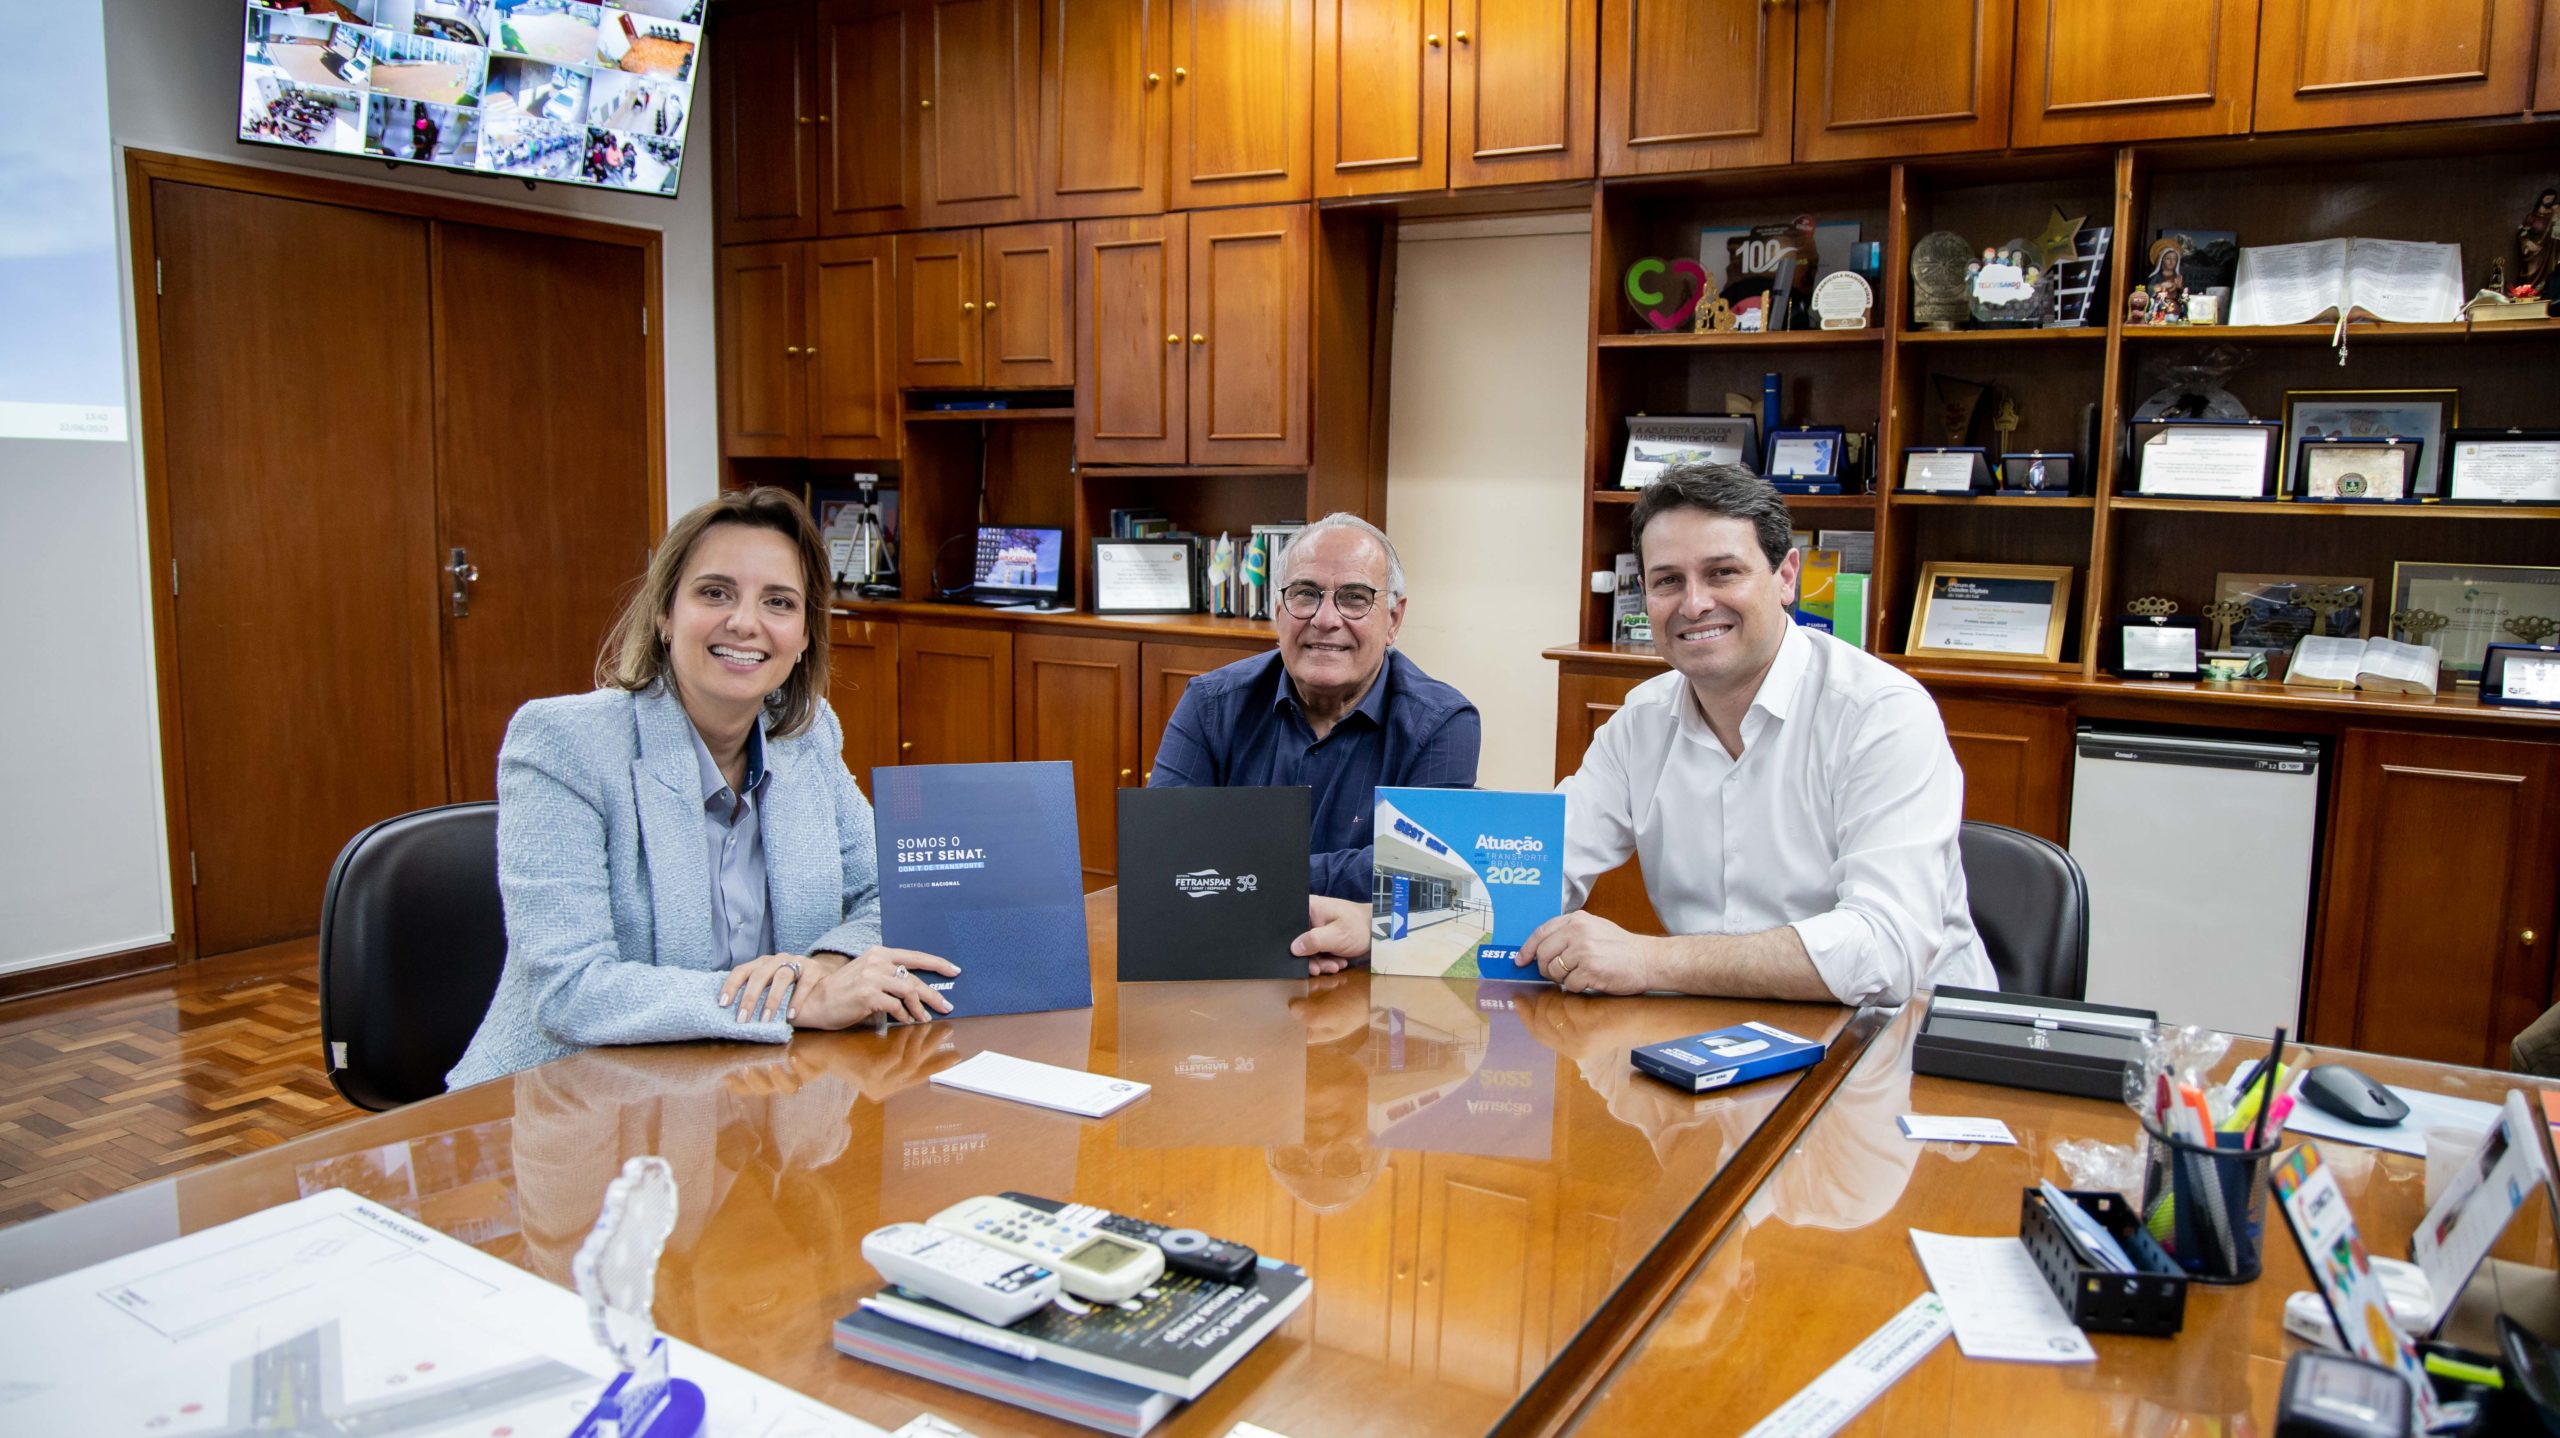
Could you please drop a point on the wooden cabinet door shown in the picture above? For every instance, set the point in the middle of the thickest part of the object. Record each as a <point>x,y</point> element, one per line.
<point>765,115</point>
<point>1485,1260</point>
<point>2016,760</point>
<point>866,117</point>
<point>955,694</point>
<point>2546,84</point>
<point>2079,81</point>
<point>763,407</point>
<point>1382,96</point>
<point>1902,77</point>
<point>1522,90</point>
<point>1164,671</point>
<point>1661,110</point>
<point>2440,858</point>
<point>851,356</point>
<point>2379,62</point>
<point>1249,330</point>
<point>1105,107</point>
<point>977,108</point>
<point>1584,702</point>
<point>1027,318</point>
<point>1132,356</point>
<point>862,687</point>
<point>1243,78</point>
<point>1077,699</point>
<point>938,292</point>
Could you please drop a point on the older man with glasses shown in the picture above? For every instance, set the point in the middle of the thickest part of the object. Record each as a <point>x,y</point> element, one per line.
<point>1336,708</point>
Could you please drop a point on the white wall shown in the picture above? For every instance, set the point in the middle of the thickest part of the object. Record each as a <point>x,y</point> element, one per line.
<point>82,866</point>
<point>1484,467</point>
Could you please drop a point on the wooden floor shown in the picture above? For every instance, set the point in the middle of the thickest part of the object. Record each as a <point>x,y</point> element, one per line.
<point>111,1086</point>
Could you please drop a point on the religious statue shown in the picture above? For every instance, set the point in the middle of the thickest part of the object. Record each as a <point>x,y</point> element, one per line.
<point>2534,242</point>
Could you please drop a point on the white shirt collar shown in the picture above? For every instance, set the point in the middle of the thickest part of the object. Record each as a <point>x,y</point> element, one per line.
<point>1776,696</point>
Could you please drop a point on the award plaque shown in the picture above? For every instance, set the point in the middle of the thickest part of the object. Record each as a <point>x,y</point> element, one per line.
<point>2038,473</point>
<point>2154,641</point>
<point>2356,470</point>
<point>1843,300</point>
<point>2520,674</point>
<point>1937,280</point>
<point>2505,466</point>
<point>1147,576</point>
<point>1960,470</point>
<point>2205,458</point>
<point>1805,461</point>
<point>2009,613</point>
<point>2420,415</point>
<point>2473,607</point>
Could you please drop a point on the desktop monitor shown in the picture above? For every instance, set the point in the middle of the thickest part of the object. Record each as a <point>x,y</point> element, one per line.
<point>1018,561</point>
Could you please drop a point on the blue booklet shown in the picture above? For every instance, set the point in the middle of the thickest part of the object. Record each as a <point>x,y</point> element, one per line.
<point>1721,1058</point>
<point>978,863</point>
<point>1463,877</point>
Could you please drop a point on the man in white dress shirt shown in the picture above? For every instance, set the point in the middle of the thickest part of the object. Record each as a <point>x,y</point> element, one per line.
<point>1793,798</point>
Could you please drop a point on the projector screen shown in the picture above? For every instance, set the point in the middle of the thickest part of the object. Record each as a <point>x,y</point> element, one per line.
<point>581,92</point>
<point>62,348</point>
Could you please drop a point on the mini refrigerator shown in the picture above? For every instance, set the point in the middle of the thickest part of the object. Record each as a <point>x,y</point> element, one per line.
<point>2199,858</point>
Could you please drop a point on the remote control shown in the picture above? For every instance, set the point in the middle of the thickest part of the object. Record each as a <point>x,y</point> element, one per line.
<point>1091,1264</point>
<point>1187,1251</point>
<point>985,1282</point>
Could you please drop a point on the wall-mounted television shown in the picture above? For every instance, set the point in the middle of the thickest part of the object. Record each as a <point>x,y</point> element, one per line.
<point>579,92</point>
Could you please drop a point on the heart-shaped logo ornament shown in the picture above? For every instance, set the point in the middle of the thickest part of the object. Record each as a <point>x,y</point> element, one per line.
<point>1666,293</point>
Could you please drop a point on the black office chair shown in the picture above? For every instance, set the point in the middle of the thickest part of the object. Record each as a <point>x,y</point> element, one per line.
<point>2030,904</point>
<point>412,939</point>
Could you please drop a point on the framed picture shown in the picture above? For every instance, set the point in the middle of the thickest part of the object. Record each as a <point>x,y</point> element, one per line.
<point>2274,617</point>
<point>2504,466</point>
<point>1656,442</point>
<point>1805,461</point>
<point>2204,458</point>
<point>2521,674</point>
<point>2420,414</point>
<point>2356,470</point>
<point>2036,472</point>
<point>1147,576</point>
<point>2000,612</point>
<point>2478,604</point>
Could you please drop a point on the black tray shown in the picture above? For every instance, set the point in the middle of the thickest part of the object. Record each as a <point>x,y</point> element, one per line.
<point>2152,1302</point>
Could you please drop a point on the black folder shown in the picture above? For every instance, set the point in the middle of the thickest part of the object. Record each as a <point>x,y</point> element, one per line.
<point>1213,883</point>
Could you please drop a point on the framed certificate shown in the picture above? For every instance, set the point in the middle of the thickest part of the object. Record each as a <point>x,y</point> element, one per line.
<point>2204,458</point>
<point>1959,470</point>
<point>2462,609</point>
<point>2419,414</point>
<point>2520,674</point>
<point>1147,576</point>
<point>2357,470</point>
<point>2504,466</point>
<point>2008,613</point>
<point>2271,613</point>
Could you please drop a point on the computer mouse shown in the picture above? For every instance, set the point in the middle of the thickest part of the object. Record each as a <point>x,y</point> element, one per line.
<point>2339,1090</point>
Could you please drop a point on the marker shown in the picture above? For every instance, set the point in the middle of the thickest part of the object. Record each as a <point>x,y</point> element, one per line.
<point>1010,1347</point>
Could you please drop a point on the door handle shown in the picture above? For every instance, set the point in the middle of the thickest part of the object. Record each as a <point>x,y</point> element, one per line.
<point>461,571</point>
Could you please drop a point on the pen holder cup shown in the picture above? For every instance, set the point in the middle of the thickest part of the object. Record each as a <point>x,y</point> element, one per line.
<point>2207,1206</point>
<point>2150,1302</point>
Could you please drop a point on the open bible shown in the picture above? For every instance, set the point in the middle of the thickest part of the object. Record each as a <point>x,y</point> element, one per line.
<point>2387,665</point>
<point>2404,281</point>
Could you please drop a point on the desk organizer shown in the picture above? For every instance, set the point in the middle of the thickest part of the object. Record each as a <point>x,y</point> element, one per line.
<point>2152,1302</point>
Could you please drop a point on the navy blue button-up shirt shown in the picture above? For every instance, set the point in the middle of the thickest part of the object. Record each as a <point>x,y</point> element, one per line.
<point>1241,726</point>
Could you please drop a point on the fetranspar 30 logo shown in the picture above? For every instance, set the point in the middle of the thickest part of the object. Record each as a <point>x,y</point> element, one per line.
<point>1202,883</point>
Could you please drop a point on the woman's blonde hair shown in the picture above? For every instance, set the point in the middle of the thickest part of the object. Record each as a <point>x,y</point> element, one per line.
<point>635,656</point>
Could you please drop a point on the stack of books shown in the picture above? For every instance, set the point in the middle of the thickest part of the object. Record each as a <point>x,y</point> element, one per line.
<point>1113,1368</point>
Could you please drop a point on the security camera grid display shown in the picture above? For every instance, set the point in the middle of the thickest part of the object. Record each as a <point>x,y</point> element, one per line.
<point>592,92</point>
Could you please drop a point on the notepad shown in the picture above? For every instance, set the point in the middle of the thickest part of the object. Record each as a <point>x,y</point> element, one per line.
<point>1046,1085</point>
<point>2385,665</point>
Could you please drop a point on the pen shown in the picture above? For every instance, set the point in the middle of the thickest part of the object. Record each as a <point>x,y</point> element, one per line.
<point>1011,1347</point>
<point>2267,1085</point>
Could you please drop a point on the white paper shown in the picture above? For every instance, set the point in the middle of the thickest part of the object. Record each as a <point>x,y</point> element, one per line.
<point>2409,1135</point>
<point>1939,1128</point>
<point>1824,1406</point>
<point>2325,659</point>
<point>2205,461</point>
<point>1047,1085</point>
<point>2405,281</point>
<point>2532,676</point>
<point>1131,575</point>
<point>2512,470</point>
<point>1998,1302</point>
<point>2288,284</point>
<point>2411,668</point>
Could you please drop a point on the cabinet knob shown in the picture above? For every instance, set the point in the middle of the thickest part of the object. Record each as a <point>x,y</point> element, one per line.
<point>1125,773</point>
<point>2528,936</point>
<point>906,745</point>
<point>1199,339</point>
<point>1461,38</point>
<point>968,307</point>
<point>823,119</point>
<point>1153,77</point>
<point>1432,40</point>
<point>804,119</point>
<point>1180,74</point>
<point>925,104</point>
<point>1173,339</point>
<point>810,353</point>
<point>991,307</point>
<point>791,349</point>
<point>1151,777</point>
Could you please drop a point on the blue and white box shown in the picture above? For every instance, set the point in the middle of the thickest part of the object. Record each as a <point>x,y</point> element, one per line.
<point>1721,1058</point>
<point>979,864</point>
<point>1462,878</point>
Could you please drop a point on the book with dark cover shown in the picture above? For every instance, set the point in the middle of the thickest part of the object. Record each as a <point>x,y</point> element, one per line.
<point>978,863</point>
<point>1180,1341</point>
<point>1036,1384</point>
<point>1213,883</point>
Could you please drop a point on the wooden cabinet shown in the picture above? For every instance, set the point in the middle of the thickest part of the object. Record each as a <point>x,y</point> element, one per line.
<point>977,96</point>
<point>1077,699</point>
<point>1164,671</point>
<point>765,119</point>
<point>2546,83</point>
<point>1193,337</point>
<point>806,365</point>
<point>2016,760</point>
<point>1243,79</point>
<point>1522,90</point>
<point>1661,110</point>
<point>985,308</point>
<point>955,694</point>
<point>1105,107</point>
<point>862,687</point>
<point>2377,62</point>
<point>866,141</point>
<point>2435,933</point>
<point>1913,77</point>
<point>2096,72</point>
<point>1382,96</point>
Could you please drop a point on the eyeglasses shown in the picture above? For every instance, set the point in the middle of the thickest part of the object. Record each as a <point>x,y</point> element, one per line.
<point>1351,601</point>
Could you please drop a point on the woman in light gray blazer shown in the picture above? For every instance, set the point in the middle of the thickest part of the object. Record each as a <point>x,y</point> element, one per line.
<point>682,853</point>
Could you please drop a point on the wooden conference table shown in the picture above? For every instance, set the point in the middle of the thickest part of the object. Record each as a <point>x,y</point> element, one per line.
<point>1509,1229</point>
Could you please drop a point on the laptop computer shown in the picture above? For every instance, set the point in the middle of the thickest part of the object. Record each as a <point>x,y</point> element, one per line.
<point>1020,566</point>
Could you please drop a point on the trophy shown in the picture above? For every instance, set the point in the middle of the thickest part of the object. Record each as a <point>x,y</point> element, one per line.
<point>2152,606</point>
<point>2224,613</point>
<point>2531,628</point>
<point>2418,623</point>
<point>2005,423</point>
<point>1937,280</point>
<point>617,1273</point>
<point>2324,600</point>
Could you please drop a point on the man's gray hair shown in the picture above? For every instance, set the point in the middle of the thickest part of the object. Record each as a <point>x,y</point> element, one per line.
<point>1342,519</point>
